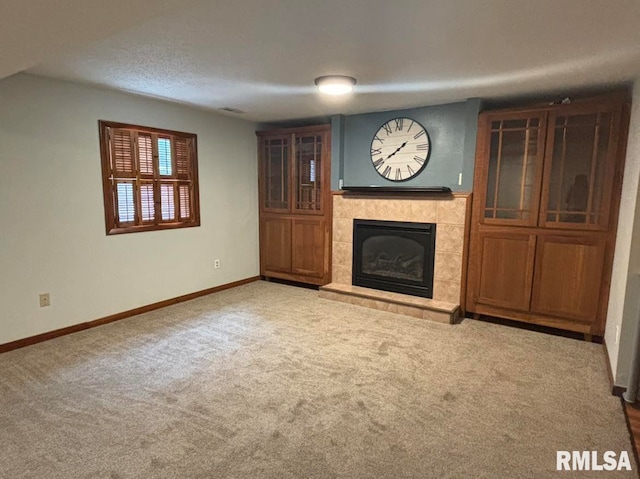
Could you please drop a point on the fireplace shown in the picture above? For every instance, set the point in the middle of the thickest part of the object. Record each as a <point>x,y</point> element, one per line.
<point>394,256</point>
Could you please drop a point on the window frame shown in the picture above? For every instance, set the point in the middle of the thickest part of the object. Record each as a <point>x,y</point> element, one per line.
<point>109,186</point>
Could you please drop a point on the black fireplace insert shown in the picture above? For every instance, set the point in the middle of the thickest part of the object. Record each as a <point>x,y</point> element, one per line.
<point>394,256</point>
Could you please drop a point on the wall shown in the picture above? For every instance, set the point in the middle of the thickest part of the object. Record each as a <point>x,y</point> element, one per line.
<point>51,208</point>
<point>451,129</point>
<point>625,284</point>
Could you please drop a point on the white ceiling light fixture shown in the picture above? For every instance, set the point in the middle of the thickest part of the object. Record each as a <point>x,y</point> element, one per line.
<point>335,84</point>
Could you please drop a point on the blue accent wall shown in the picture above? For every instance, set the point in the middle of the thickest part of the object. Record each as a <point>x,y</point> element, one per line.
<point>452,129</point>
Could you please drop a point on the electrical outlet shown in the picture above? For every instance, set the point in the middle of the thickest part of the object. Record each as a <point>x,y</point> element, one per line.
<point>216,263</point>
<point>45,300</point>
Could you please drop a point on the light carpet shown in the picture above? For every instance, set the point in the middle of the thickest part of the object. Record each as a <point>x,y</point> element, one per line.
<point>269,381</point>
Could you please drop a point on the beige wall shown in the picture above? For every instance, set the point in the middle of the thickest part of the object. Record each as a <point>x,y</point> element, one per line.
<point>52,237</point>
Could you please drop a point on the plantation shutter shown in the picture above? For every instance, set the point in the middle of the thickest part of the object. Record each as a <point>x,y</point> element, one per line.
<point>122,151</point>
<point>147,202</point>
<point>185,201</point>
<point>183,147</point>
<point>145,154</point>
<point>182,157</point>
<point>123,169</point>
<point>167,200</point>
<point>151,178</point>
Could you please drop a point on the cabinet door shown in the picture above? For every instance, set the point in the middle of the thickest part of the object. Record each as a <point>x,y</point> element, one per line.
<point>505,270</point>
<point>275,245</point>
<point>578,177</point>
<point>309,173</point>
<point>308,245</point>
<point>275,176</point>
<point>511,168</point>
<point>567,277</point>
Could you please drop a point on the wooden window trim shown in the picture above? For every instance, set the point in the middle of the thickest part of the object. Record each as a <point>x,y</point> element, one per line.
<point>176,179</point>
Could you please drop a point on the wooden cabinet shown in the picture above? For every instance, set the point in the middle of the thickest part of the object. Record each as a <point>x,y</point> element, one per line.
<point>506,269</point>
<point>275,244</point>
<point>308,245</point>
<point>567,276</point>
<point>295,204</point>
<point>546,197</point>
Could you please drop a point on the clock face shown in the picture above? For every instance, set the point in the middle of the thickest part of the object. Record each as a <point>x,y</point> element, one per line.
<point>400,149</point>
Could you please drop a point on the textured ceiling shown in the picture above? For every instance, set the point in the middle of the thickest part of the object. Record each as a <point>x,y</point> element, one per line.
<point>34,31</point>
<point>261,56</point>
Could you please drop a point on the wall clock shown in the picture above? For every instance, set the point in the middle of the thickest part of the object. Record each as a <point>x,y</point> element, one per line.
<point>400,149</point>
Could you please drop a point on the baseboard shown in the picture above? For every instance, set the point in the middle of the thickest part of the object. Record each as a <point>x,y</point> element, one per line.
<point>607,360</point>
<point>21,343</point>
<point>615,390</point>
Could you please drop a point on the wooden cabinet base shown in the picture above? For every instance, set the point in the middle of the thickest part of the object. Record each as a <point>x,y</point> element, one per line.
<point>533,318</point>
<point>296,278</point>
<point>295,248</point>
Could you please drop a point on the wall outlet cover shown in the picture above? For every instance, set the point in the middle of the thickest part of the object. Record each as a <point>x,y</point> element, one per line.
<point>45,300</point>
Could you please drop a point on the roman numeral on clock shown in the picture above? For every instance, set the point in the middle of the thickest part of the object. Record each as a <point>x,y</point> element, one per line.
<point>411,172</point>
<point>387,172</point>
<point>387,128</point>
<point>423,147</point>
<point>418,135</point>
<point>419,160</point>
<point>377,138</point>
<point>378,163</point>
<point>376,151</point>
<point>398,174</point>
<point>399,122</point>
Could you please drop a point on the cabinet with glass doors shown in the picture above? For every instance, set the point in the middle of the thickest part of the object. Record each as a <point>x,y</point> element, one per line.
<point>546,196</point>
<point>295,208</point>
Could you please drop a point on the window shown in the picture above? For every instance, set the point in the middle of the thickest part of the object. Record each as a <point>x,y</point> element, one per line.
<point>150,178</point>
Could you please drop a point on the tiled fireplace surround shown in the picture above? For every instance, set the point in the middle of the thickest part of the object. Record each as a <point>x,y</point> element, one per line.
<point>449,214</point>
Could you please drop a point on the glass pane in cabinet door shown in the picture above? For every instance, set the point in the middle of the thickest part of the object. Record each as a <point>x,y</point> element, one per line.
<point>576,182</point>
<point>512,170</point>
<point>308,181</point>
<point>276,173</point>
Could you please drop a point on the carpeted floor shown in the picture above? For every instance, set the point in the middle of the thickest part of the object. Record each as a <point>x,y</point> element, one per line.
<point>268,381</point>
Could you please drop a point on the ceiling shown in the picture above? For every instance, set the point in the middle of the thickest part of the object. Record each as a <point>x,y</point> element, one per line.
<point>261,56</point>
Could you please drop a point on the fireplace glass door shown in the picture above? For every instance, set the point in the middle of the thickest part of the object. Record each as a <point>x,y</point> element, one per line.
<point>394,256</point>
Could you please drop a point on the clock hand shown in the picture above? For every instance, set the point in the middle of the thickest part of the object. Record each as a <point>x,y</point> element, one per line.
<point>400,148</point>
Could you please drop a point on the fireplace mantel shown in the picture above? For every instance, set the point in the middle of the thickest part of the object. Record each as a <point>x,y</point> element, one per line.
<point>396,190</point>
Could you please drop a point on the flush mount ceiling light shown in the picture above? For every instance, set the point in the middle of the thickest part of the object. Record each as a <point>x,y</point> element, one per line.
<point>335,84</point>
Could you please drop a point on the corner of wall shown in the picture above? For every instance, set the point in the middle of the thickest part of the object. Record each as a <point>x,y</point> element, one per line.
<point>625,287</point>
